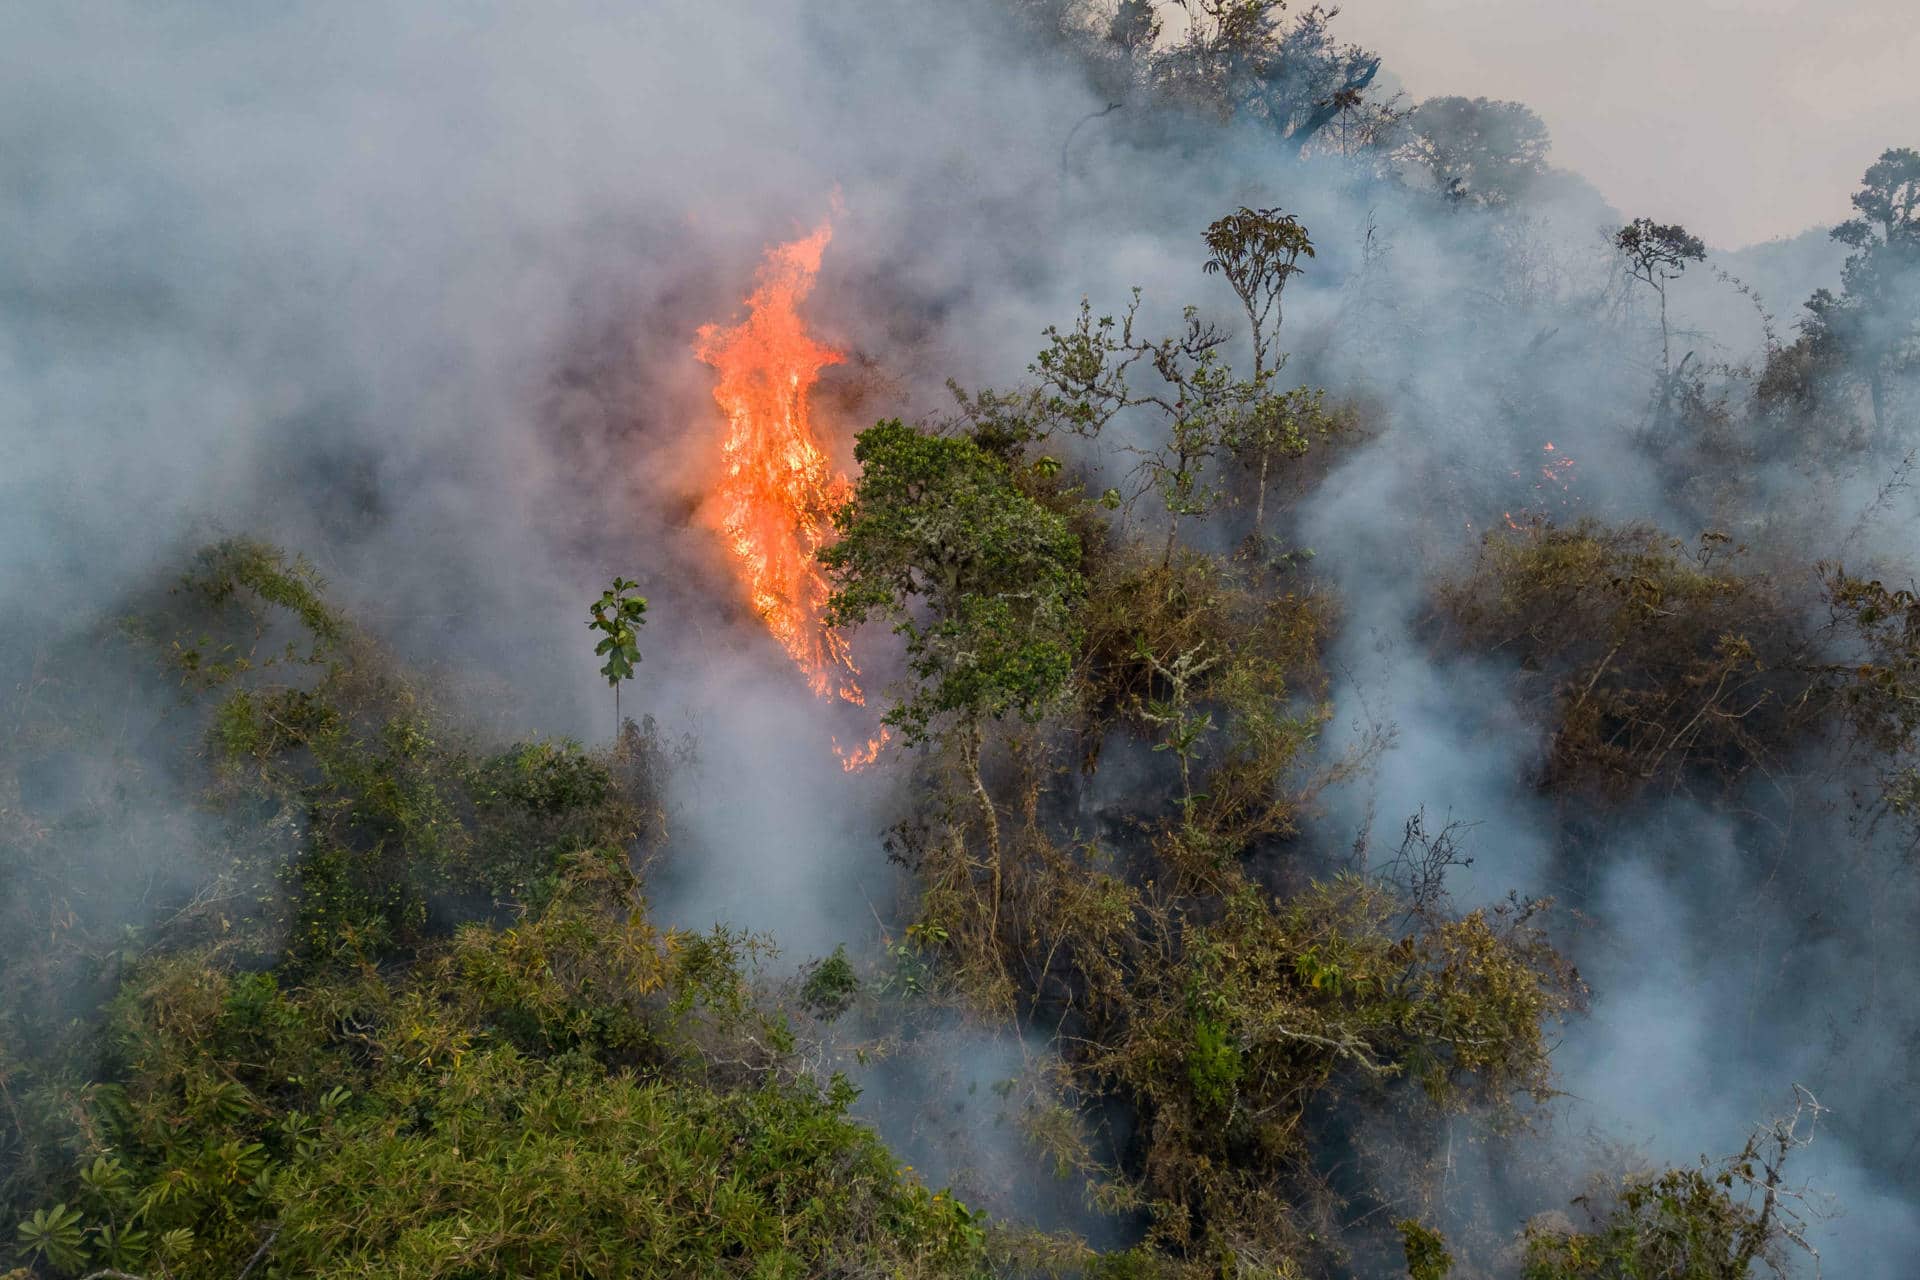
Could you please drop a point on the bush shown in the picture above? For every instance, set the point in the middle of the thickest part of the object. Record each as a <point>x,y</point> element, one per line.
<point>1658,666</point>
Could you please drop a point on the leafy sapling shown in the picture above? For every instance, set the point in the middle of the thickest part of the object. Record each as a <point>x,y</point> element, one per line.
<point>618,615</point>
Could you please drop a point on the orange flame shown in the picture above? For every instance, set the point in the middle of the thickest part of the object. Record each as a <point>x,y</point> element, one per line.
<point>860,757</point>
<point>776,493</point>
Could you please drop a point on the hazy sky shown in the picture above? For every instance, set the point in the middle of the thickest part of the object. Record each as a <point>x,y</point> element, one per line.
<point>1743,119</point>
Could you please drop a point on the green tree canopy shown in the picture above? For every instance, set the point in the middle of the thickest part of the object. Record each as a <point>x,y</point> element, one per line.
<point>979,579</point>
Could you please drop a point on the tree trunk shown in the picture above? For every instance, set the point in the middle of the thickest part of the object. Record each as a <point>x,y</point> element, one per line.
<point>1877,393</point>
<point>1666,368</point>
<point>975,738</point>
<point>1666,342</point>
<point>1260,497</point>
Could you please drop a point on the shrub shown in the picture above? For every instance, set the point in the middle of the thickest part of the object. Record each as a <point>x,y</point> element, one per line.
<point>1658,665</point>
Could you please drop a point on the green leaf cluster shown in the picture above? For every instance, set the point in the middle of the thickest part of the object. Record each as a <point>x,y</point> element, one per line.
<point>979,580</point>
<point>618,616</point>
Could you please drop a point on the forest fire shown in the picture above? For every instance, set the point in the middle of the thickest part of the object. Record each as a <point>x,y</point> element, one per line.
<point>776,493</point>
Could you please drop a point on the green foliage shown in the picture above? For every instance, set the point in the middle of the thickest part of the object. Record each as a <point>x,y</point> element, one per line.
<point>1321,982</point>
<point>1214,1066</point>
<point>559,1169</point>
<point>618,615</point>
<point>428,1121</point>
<point>1219,666</point>
<point>1091,375</point>
<point>1281,1006</point>
<point>983,584</point>
<point>939,521</point>
<point>1280,425</point>
<point>1257,251</point>
<point>1658,252</point>
<point>416,1021</point>
<point>1681,1223</point>
<point>401,821</point>
<point>830,985</point>
<point>1716,1221</point>
<point>55,1235</point>
<point>1426,1250</point>
<point>239,583</point>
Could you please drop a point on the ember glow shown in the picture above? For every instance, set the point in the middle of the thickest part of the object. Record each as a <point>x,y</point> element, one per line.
<point>775,494</point>
<point>1556,468</point>
<point>1552,485</point>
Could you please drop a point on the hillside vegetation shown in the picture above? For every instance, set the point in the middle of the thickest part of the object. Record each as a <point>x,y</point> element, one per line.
<point>395,1005</point>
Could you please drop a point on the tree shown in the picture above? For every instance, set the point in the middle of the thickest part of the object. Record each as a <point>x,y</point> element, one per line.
<point>1135,27</point>
<point>1088,376</point>
<point>1477,150</point>
<point>981,581</point>
<point>1875,320</point>
<point>1277,425</point>
<point>618,615</point>
<point>1657,253</point>
<point>1888,201</point>
<point>1085,377</point>
<point>1257,251</point>
<point>1249,59</point>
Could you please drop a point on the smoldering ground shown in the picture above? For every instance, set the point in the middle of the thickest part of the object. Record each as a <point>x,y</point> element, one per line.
<point>414,294</point>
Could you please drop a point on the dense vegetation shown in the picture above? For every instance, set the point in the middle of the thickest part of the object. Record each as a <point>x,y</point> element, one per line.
<point>397,1007</point>
<point>411,1018</point>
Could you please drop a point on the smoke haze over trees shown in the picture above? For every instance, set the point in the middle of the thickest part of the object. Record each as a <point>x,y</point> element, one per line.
<point>1405,674</point>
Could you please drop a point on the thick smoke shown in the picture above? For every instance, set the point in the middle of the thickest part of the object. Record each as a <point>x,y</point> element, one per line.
<point>415,294</point>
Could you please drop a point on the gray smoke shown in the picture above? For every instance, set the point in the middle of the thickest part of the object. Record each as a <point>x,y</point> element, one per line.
<point>414,292</point>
